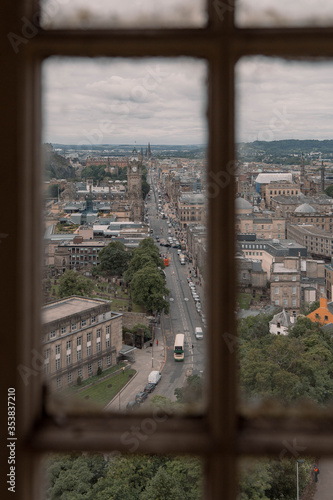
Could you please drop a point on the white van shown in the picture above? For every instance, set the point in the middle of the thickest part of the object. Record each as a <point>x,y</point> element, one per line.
<point>154,377</point>
<point>198,333</point>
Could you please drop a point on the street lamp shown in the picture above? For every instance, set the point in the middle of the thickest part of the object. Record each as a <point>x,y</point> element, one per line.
<point>298,462</point>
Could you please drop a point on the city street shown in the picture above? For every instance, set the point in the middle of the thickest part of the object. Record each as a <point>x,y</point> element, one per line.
<point>182,318</point>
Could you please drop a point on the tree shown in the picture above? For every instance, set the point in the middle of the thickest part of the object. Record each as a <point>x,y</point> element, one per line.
<point>148,289</point>
<point>287,367</point>
<point>309,308</point>
<point>146,253</point>
<point>72,283</point>
<point>255,479</point>
<point>192,392</point>
<point>127,477</point>
<point>52,191</point>
<point>329,191</point>
<point>72,477</point>
<point>162,487</point>
<point>114,258</point>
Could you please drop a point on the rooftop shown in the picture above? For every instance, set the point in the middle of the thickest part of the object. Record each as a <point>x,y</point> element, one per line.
<point>68,307</point>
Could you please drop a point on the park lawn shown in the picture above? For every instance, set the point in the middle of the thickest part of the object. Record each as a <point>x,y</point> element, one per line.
<point>244,300</point>
<point>101,393</point>
<point>137,309</point>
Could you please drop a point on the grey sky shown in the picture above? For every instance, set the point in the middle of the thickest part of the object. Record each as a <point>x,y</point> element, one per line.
<point>124,13</point>
<point>283,12</point>
<point>119,101</point>
<point>278,100</point>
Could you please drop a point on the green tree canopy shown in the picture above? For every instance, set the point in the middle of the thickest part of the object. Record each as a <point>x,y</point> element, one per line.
<point>73,283</point>
<point>329,191</point>
<point>287,367</point>
<point>72,477</point>
<point>148,289</point>
<point>146,253</point>
<point>191,392</point>
<point>114,258</point>
<point>163,487</point>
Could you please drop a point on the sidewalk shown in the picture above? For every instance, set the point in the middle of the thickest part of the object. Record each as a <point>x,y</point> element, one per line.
<point>145,360</point>
<point>324,490</point>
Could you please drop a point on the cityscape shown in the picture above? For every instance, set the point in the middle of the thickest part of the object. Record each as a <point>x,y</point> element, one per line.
<point>152,201</point>
<point>125,283</point>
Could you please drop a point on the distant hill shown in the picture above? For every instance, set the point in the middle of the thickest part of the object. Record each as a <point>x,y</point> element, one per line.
<point>55,165</point>
<point>286,148</point>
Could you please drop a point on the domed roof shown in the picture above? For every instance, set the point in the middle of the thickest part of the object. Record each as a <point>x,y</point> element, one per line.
<point>243,205</point>
<point>305,209</point>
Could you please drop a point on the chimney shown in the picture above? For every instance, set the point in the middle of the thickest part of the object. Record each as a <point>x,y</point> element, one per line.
<point>323,302</point>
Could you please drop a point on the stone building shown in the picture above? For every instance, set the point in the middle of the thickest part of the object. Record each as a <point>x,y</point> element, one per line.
<point>281,323</point>
<point>329,280</point>
<point>285,284</point>
<point>273,189</point>
<point>79,336</point>
<point>191,209</point>
<point>318,242</point>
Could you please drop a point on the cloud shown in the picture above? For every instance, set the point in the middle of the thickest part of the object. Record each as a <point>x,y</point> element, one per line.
<point>278,99</point>
<point>156,99</point>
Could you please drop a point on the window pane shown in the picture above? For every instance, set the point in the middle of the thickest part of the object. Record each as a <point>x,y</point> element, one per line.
<point>269,13</point>
<point>125,14</point>
<point>284,121</point>
<point>125,242</point>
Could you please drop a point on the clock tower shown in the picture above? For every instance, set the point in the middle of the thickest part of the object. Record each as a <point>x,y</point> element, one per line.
<point>134,190</point>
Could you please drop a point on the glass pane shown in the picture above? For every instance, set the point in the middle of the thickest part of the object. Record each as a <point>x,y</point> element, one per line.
<point>125,207</point>
<point>269,13</point>
<point>284,230</point>
<point>116,476</point>
<point>126,14</point>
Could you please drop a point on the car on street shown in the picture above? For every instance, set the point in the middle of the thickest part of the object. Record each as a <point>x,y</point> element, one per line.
<point>141,397</point>
<point>149,387</point>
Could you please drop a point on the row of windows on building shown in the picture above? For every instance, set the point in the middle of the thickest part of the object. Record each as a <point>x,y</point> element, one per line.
<point>69,357</point>
<point>254,246</point>
<point>277,278</point>
<point>189,218</point>
<point>284,303</point>
<point>285,191</point>
<point>315,238</point>
<point>262,226</point>
<point>253,253</point>
<point>311,220</point>
<point>277,290</point>
<point>74,326</point>
<point>318,317</point>
<point>84,250</point>
<point>80,371</point>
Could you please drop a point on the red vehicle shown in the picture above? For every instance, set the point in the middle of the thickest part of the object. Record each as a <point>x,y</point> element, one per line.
<point>166,262</point>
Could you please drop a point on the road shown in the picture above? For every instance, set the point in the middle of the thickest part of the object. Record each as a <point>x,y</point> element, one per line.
<point>183,316</point>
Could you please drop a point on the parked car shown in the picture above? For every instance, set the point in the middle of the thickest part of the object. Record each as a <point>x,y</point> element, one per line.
<point>141,397</point>
<point>198,333</point>
<point>149,387</point>
<point>154,377</point>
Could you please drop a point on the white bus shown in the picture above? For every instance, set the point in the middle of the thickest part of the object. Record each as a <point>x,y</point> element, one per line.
<point>179,347</point>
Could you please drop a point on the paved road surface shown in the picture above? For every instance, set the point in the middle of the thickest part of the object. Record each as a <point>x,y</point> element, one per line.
<point>324,490</point>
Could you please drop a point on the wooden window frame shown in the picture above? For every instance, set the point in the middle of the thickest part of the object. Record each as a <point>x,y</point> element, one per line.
<point>225,432</point>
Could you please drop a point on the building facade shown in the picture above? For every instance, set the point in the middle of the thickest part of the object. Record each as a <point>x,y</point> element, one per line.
<point>285,284</point>
<point>79,336</point>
